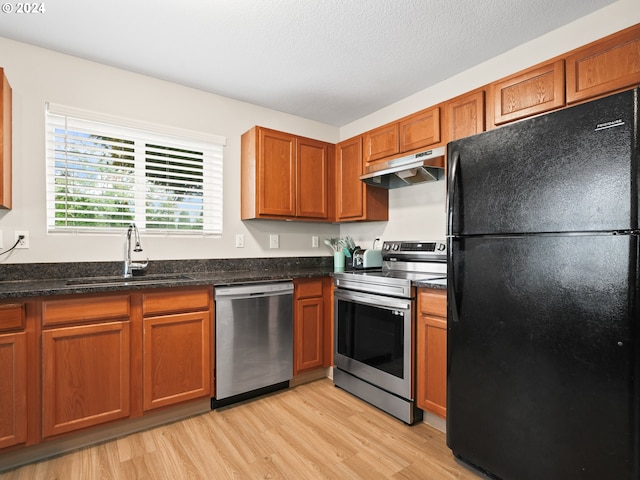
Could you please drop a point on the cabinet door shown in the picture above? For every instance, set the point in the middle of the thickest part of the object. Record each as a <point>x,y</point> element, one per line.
<point>431,352</point>
<point>5,141</point>
<point>85,376</point>
<point>355,199</point>
<point>604,66</point>
<point>176,358</point>
<point>349,188</point>
<point>465,115</point>
<point>13,389</point>
<point>312,183</point>
<point>308,334</point>
<point>276,173</point>
<point>533,91</point>
<point>308,324</point>
<point>420,130</point>
<point>381,142</point>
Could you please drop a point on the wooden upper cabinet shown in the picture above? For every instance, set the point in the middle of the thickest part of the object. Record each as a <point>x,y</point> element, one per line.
<point>381,142</point>
<point>465,115</point>
<point>604,66</point>
<point>5,141</point>
<point>284,176</point>
<point>312,178</point>
<point>420,129</point>
<point>536,90</point>
<point>355,200</point>
<point>276,173</point>
<point>410,133</point>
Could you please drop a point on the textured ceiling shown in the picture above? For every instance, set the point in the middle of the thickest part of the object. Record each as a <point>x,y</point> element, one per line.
<point>329,60</point>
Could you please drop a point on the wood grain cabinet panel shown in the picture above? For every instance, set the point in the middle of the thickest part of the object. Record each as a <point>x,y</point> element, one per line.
<point>604,66</point>
<point>5,141</point>
<point>276,173</point>
<point>84,309</point>
<point>308,324</point>
<point>381,142</point>
<point>531,92</point>
<point>465,115</point>
<point>85,376</point>
<point>431,352</point>
<point>312,179</point>
<point>355,200</point>
<point>176,300</point>
<point>12,317</point>
<point>420,129</point>
<point>176,358</point>
<point>285,177</point>
<point>13,389</point>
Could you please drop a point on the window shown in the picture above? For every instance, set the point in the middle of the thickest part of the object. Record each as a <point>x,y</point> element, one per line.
<point>105,172</point>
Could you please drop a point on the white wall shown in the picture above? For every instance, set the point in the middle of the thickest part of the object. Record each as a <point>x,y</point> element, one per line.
<point>417,212</point>
<point>38,75</point>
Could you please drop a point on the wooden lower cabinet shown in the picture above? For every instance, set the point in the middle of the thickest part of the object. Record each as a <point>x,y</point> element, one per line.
<point>176,358</point>
<point>177,346</point>
<point>310,322</point>
<point>431,351</point>
<point>85,376</point>
<point>13,389</point>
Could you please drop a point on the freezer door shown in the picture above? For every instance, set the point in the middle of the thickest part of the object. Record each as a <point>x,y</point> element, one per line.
<point>542,356</point>
<point>569,170</point>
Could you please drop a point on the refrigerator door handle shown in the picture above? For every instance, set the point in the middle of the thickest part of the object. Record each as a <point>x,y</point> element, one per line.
<point>451,186</point>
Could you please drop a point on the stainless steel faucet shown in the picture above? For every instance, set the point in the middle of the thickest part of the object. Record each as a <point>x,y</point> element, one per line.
<point>129,265</point>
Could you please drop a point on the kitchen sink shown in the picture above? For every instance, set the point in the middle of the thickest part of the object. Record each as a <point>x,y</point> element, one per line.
<point>116,281</point>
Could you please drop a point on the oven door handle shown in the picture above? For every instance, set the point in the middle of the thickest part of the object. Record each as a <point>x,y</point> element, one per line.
<point>373,300</point>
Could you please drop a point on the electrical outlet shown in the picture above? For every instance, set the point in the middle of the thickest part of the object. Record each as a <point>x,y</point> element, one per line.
<point>274,241</point>
<point>24,243</point>
<point>239,240</point>
<point>314,241</point>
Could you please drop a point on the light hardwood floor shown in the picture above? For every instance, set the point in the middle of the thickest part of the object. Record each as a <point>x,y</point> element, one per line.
<point>312,431</point>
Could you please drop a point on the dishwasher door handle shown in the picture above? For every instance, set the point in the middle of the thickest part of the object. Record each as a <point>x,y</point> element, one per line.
<point>234,292</point>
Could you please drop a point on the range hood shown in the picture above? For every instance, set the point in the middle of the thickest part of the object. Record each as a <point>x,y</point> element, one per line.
<point>420,167</point>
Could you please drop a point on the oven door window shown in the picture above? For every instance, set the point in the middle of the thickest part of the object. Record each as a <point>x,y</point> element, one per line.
<point>372,335</point>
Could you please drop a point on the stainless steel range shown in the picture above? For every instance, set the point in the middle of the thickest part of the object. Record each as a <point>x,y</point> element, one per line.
<point>375,326</point>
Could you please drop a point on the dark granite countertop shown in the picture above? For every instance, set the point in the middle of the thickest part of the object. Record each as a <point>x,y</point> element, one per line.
<point>35,280</point>
<point>440,284</point>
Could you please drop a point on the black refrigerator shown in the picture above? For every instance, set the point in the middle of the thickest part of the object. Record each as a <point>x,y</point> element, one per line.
<point>543,332</point>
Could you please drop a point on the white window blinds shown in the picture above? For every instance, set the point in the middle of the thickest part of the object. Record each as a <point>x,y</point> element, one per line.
<point>104,173</point>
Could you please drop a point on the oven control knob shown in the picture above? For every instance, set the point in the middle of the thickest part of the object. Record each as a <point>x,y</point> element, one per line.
<point>441,247</point>
<point>396,247</point>
<point>386,246</point>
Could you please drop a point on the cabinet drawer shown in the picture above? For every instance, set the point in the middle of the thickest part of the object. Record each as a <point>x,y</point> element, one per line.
<point>11,316</point>
<point>308,288</point>
<point>154,303</point>
<point>432,302</point>
<point>84,309</point>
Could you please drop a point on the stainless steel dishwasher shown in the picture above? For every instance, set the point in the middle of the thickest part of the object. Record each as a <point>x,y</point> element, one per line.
<point>254,340</point>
